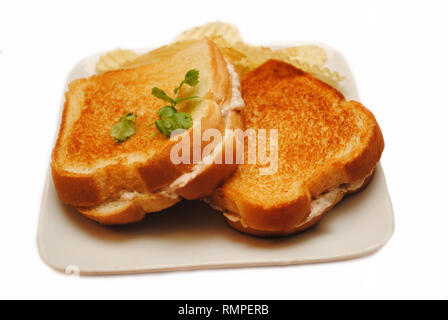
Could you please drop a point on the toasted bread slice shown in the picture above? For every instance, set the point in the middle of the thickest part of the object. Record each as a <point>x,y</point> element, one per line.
<point>90,170</point>
<point>327,147</point>
<point>199,182</point>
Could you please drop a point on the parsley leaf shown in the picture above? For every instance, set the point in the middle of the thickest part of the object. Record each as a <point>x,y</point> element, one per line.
<point>159,93</point>
<point>178,120</point>
<point>124,128</point>
<point>191,78</point>
<point>167,111</point>
<point>165,126</point>
<point>182,120</point>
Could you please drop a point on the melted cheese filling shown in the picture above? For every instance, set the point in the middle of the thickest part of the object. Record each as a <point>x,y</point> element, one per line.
<point>236,103</point>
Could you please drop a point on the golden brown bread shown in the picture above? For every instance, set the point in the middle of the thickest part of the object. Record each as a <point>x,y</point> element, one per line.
<point>307,223</point>
<point>133,206</point>
<point>324,142</point>
<point>95,174</point>
<point>128,210</point>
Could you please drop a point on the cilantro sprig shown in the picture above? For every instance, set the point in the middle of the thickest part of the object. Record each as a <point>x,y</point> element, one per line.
<point>169,118</point>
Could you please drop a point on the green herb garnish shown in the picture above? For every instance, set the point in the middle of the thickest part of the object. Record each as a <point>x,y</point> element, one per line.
<point>124,128</point>
<point>159,93</point>
<point>182,120</point>
<point>191,78</point>
<point>169,118</point>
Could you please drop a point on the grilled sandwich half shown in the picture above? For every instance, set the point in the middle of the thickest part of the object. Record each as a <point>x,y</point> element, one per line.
<point>327,147</point>
<point>116,183</point>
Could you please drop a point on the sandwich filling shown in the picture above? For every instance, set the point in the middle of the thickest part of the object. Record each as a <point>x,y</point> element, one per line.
<point>319,206</point>
<point>236,103</point>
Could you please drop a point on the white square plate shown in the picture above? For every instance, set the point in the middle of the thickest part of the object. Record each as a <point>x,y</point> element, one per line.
<point>190,235</point>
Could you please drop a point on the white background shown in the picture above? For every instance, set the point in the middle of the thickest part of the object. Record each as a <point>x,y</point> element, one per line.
<point>398,51</point>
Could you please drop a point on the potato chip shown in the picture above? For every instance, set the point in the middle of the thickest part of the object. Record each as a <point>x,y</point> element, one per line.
<point>113,60</point>
<point>323,73</point>
<point>210,30</point>
<point>246,57</point>
<point>310,54</point>
<point>243,56</point>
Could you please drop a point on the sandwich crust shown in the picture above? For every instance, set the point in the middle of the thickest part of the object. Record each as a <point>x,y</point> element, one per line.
<point>209,176</point>
<point>324,142</point>
<point>128,211</point>
<point>236,223</point>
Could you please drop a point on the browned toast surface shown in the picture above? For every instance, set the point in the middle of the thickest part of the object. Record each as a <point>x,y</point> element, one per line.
<point>133,206</point>
<point>107,97</point>
<point>89,167</point>
<point>323,141</point>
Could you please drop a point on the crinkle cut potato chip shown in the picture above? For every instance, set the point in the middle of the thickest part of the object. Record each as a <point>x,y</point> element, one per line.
<point>113,60</point>
<point>210,30</point>
<point>246,57</point>
<point>243,56</point>
<point>309,53</point>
